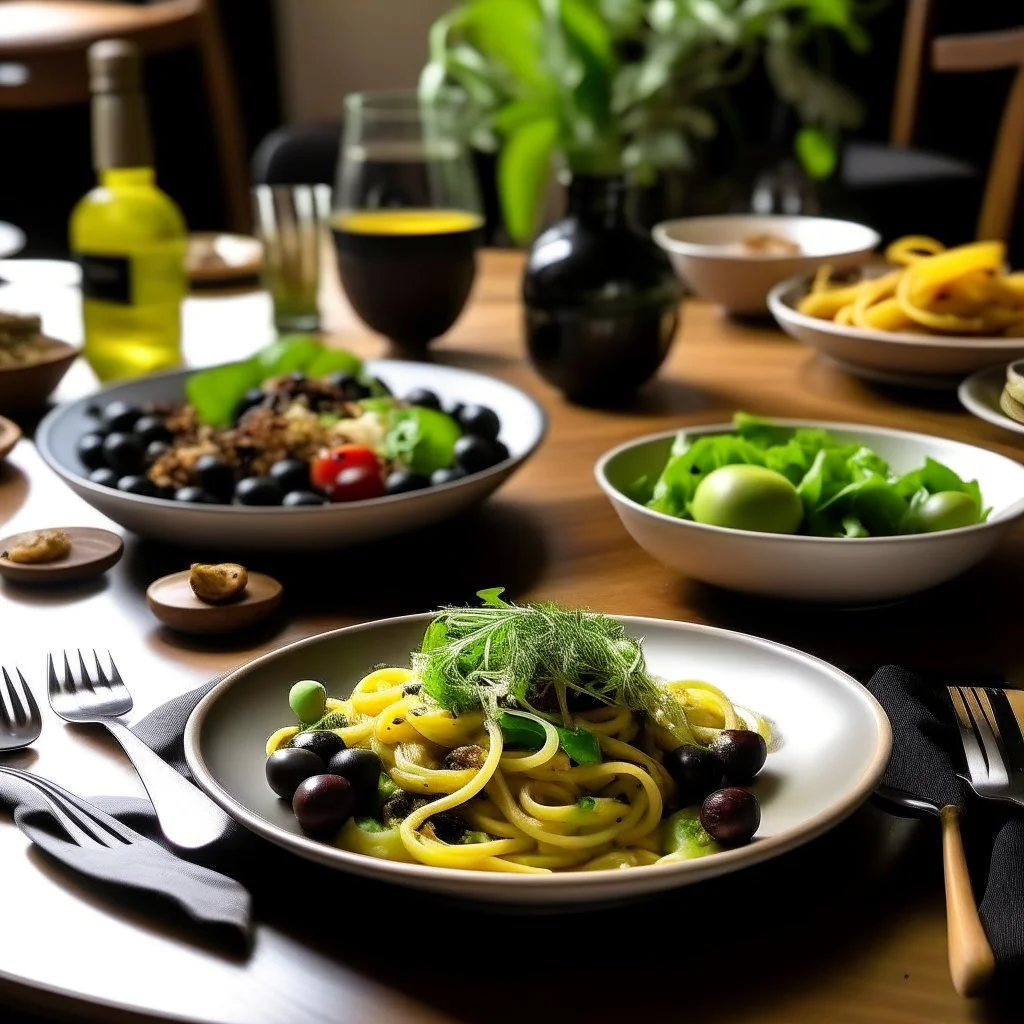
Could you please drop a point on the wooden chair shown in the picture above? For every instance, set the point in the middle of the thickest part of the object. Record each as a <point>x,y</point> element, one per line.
<point>43,47</point>
<point>915,178</point>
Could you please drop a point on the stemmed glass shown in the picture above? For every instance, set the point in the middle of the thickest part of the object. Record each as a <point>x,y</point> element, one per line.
<point>406,218</point>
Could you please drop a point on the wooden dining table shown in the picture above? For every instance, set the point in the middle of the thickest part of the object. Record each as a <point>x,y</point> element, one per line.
<point>847,928</point>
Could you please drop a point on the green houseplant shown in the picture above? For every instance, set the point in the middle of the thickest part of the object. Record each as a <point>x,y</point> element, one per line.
<point>631,86</point>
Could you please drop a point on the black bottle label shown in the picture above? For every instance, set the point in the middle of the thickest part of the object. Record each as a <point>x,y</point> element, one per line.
<point>107,278</point>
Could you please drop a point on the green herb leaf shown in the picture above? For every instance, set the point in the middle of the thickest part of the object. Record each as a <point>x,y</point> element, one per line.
<point>369,824</point>
<point>684,835</point>
<point>423,439</point>
<point>524,164</point>
<point>216,392</point>
<point>816,152</point>
<point>581,745</point>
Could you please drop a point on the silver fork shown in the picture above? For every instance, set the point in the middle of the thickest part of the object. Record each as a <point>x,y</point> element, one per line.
<point>20,721</point>
<point>84,823</point>
<point>188,818</point>
<point>994,754</point>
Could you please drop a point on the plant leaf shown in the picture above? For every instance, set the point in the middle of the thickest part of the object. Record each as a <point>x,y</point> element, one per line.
<point>523,167</point>
<point>816,152</point>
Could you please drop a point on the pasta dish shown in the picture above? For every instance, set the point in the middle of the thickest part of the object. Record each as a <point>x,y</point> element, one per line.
<point>964,290</point>
<point>588,762</point>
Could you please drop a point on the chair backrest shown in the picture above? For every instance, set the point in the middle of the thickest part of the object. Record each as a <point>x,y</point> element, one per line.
<point>982,51</point>
<point>989,51</point>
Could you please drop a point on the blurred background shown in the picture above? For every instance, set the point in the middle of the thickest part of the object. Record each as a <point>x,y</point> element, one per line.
<point>293,61</point>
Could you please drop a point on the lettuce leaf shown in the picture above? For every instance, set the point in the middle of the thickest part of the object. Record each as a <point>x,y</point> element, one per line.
<point>848,490</point>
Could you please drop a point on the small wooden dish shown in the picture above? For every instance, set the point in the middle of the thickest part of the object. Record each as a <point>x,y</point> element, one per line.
<point>93,551</point>
<point>172,600</point>
<point>10,435</point>
<point>26,388</point>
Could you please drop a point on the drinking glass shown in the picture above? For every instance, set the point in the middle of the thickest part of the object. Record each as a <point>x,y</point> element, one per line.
<point>289,222</point>
<point>406,218</point>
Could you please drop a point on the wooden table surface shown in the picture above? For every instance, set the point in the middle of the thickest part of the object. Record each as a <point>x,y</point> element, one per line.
<point>847,929</point>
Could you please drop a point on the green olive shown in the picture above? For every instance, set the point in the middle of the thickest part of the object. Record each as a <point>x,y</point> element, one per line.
<point>308,701</point>
<point>944,510</point>
<point>743,497</point>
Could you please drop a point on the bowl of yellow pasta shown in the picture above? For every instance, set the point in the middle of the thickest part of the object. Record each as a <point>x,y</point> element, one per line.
<point>533,757</point>
<point>927,316</point>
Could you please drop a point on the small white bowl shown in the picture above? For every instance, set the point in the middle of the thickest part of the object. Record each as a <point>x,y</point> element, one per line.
<point>892,357</point>
<point>710,257</point>
<point>840,570</point>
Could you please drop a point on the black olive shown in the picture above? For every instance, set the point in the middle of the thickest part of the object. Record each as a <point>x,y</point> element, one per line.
<point>455,410</point>
<point>742,752</point>
<point>93,410</point>
<point>287,767</point>
<point>90,451</point>
<point>258,490</point>
<point>290,474</point>
<point>423,397</point>
<point>133,483</point>
<point>119,415</point>
<point>152,428</point>
<point>479,421</point>
<point>123,452</point>
<point>448,827</point>
<point>696,772</point>
<point>731,815</point>
<point>252,397</point>
<point>154,450</point>
<point>295,498</point>
<point>362,768</point>
<point>446,475</point>
<point>473,454</point>
<point>401,481</point>
<point>324,743</point>
<point>104,476</point>
<point>214,476</point>
<point>322,804</point>
<point>195,496</point>
<point>352,389</point>
<point>502,452</point>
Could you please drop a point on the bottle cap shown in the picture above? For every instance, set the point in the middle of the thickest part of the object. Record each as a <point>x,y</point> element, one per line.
<point>114,66</point>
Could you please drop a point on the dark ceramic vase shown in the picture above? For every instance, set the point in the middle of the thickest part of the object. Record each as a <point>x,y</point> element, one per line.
<point>601,299</point>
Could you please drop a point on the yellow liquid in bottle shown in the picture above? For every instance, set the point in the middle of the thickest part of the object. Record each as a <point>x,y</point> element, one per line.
<point>130,239</point>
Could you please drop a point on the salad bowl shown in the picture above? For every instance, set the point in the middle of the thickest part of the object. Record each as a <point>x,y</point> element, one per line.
<point>832,745</point>
<point>843,570</point>
<point>301,528</point>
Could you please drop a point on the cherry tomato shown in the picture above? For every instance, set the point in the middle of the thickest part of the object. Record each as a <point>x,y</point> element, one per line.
<point>354,483</point>
<point>325,468</point>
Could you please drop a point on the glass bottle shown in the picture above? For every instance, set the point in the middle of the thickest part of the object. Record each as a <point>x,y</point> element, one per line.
<point>128,236</point>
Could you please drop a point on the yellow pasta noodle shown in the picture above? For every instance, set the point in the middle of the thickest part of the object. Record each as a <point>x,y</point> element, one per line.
<point>526,811</point>
<point>961,291</point>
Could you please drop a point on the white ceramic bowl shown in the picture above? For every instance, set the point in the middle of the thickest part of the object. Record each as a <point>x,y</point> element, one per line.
<point>709,256</point>
<point>523,426</point>
<point>833,745</point>
<point>841,570</point>
<point>916,360</point>
<point>979,394</point>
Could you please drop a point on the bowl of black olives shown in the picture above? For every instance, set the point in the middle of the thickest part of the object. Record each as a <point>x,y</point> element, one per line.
<point>299,461</point>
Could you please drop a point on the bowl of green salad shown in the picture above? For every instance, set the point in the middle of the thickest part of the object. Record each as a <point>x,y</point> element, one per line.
<point>812,510</point>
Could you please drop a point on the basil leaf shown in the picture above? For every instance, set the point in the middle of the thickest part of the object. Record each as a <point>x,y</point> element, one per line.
<point>423,439</point>
<point>580,745</point>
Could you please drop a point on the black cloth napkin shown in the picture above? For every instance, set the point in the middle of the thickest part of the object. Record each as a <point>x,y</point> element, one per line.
<point>197,885</point>
<point>926,759</point>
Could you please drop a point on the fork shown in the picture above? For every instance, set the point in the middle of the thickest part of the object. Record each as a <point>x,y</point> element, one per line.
<point>992,742</point>
<point>188,818</point>
<point>20,724</point>
<point>85,824</point>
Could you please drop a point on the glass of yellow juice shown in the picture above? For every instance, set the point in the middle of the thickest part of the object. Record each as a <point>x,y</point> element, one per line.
<point>406,218</point>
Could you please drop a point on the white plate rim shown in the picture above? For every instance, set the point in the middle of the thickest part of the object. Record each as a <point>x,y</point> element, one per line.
<point>780,307</point>
<point>46,427</point>
<point>614,494</point>
<point>976,407</point>
<point>850,800</point>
